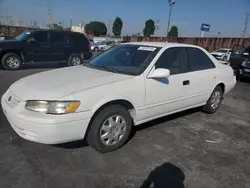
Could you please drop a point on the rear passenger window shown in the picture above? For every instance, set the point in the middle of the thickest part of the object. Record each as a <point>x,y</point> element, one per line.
<point>198,60</point>
<point>79,39</point>
<point>57,38</point>
<point>173,59</point>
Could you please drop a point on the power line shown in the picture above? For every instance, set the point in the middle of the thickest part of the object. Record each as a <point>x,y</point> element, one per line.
<point>245,25</point>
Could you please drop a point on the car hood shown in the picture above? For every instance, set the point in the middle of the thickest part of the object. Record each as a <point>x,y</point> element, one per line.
<point>9,43</point>
<point>62,82</point>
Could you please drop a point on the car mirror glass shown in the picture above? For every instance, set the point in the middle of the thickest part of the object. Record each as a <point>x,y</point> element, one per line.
<point>31,40</point>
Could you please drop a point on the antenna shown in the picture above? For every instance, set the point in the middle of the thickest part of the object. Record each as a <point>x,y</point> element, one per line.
<point>245,25</point>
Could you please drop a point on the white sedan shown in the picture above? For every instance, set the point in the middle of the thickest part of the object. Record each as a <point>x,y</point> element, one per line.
<point>125,86</point>
<point>222,54</point>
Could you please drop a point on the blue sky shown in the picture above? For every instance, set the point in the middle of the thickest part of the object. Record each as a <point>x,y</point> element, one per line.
<point>225,16</point>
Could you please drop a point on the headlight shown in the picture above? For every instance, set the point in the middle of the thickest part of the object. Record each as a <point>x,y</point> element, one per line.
<point>53,107</point>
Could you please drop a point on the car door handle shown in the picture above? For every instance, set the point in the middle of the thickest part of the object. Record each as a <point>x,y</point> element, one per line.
<point>46,46</point>
<point>186,82</point>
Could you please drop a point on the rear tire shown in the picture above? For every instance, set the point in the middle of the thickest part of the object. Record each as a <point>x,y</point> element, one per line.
<point>214,101</point>
<point>96,49</point>
<point>74,60</point>
<point>11,61</point>
<point>110,129</point>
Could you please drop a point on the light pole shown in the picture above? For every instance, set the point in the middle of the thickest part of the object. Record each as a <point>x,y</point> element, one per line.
<point>81,13</point>
<point>171,3</point>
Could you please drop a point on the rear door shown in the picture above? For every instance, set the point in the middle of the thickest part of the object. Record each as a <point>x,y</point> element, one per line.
<point>60,46</point>
<point>201,74</point>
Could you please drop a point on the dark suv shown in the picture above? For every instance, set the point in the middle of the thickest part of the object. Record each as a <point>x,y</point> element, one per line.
<point>66,47</point>
<point>240,61</point>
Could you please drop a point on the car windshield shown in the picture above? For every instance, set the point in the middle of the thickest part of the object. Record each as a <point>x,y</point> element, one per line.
<point>221,51</point>
<point>126,59</point>
<point>23,36</point>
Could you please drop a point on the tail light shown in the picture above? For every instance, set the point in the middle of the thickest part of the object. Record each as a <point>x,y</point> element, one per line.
<point>89,46</point>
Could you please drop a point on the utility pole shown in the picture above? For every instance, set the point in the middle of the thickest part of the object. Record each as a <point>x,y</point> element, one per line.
<point>157,27</point>
<point>245,25</point>
<point>49,9</point>
<point>82,13</point>
<point>171,3</point>
<point>109,27</point>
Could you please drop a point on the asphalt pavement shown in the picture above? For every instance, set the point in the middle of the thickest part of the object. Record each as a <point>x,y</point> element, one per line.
<point>189,149</point>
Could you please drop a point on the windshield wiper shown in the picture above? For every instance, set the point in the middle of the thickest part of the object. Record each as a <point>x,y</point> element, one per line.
<point>106,68</point>
<point>100,67</point>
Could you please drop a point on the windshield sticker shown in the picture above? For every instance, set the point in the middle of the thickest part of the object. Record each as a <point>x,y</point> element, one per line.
<point>27,33</point>
<point>147,48</point>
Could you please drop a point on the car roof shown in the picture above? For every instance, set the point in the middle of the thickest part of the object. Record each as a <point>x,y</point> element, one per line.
<point>161,44</point>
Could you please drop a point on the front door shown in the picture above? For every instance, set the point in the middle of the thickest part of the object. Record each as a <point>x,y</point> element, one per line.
<point>168,95</point>
<point>39,50</point>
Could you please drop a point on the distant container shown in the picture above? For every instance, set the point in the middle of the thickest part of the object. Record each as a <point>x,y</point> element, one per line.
<point>79,29</point>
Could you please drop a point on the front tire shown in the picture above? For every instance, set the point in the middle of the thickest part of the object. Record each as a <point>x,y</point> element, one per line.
<point>110,129</point>
<point>74,60</point>
<point>224,58</point>
<point>11,61</point>
<point>214,101</point>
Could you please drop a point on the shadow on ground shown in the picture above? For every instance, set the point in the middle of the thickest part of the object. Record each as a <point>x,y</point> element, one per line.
<point>47,65</point>
<point>83,143</point>
<point>165,176</point>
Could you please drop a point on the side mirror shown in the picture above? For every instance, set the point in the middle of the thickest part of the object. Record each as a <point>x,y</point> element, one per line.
<point>245,54</point>
<point>31,40</point>
<point>160,73</point>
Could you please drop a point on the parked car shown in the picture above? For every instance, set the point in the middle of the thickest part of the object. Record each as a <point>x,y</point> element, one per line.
<point>222,54</point>
<point>97,46</point>
<point>239,61</point>
<point>6,37</point>
<point>125,86</point>
<point>109,45</point>
<point>44,46</point>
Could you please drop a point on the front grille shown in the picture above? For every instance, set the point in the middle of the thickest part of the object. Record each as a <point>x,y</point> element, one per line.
<point>246,74</point>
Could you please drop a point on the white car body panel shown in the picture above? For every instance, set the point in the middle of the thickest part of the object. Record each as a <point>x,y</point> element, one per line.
<point>94,88</point>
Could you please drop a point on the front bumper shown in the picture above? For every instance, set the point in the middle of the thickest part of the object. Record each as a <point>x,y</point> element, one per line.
<point>244,72</point>
<point>44,128</point>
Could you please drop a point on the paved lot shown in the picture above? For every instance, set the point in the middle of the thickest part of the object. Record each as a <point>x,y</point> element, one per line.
<point>190,149</point>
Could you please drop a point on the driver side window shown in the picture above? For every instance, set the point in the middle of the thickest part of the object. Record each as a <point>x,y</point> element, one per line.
<point>41,37</point>
<point>173,59</point>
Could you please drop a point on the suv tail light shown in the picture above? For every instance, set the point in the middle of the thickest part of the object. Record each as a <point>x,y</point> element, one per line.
<point>89,46</point>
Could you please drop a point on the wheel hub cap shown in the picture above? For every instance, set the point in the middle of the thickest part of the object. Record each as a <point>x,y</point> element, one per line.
<point>12,62</point>
<point>76,61</point>
<point>113,130</point>
<point>215,100</point>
